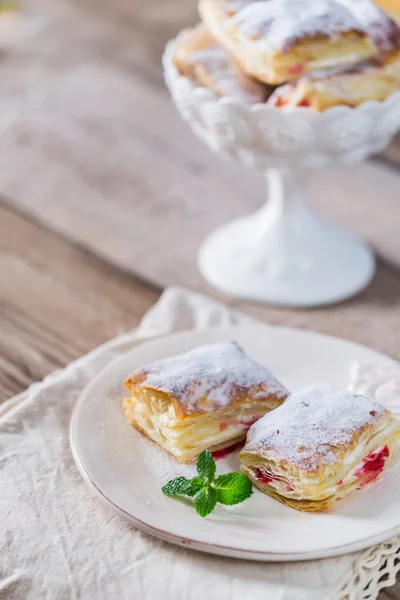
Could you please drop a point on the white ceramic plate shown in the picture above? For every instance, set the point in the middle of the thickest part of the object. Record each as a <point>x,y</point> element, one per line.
<point>127,470</point>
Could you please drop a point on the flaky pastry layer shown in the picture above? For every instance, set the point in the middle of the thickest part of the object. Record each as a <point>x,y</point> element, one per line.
<point>391,65</point>
<point>205,63</point>
<point>310,460</point>
<point>349,87</point>
<point>153,413</point>
<point>208,379</point>
<point>297,56</point>
<point>206,398</point>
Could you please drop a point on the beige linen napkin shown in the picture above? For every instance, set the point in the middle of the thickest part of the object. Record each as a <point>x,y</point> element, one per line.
<point>57,541</point>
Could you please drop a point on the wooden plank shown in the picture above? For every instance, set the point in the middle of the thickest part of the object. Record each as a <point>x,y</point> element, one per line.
<point>56,303</point>
<point>371,318</point>
<point>393,152</point>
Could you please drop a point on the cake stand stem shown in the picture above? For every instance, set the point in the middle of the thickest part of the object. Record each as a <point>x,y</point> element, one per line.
<point>285,253</point>
<point>286,199</point>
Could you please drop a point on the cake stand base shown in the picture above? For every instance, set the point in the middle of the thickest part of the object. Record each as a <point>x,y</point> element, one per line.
<point>285,254</point>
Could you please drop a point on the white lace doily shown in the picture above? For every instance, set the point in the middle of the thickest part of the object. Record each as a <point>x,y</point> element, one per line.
<point>377,567</point>
<point>374,569</point>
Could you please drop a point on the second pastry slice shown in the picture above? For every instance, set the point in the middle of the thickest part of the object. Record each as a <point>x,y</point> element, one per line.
<point>205,63</point>
<point>321,445</point>
<point>369,81</point>
<point>204,399</point>
<point>278,40</point>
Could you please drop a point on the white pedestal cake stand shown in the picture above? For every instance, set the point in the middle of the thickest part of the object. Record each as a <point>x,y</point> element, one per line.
<point>285,253</point>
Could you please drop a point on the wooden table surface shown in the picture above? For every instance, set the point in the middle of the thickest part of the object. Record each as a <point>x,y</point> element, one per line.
<point>105,194</point>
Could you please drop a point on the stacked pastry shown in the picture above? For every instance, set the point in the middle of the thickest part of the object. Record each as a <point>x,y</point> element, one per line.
<point>311,53</point>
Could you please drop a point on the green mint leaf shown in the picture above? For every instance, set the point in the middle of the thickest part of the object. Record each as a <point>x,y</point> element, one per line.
<point>195,484</point>
<point>182,486</point>
<point>206,466</point>
<point>233,488</point>
<point>205,501</point>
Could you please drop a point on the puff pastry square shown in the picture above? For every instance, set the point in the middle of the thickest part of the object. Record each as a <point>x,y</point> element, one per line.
<point>207,64</point>
<point>370,80</point>
<point>381,28</point>
<point>321,445</point>
<point>276,41</point>
<point>204,399</point>
<point>391,65</point>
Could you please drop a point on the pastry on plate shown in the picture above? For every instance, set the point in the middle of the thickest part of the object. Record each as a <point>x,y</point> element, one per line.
<point>277,41</point>
<point>350,87</point>
<point>205,63</point>
<point>321,445</point>
<point>204,399</point>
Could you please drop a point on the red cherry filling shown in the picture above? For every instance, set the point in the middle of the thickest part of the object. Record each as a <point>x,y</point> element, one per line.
<point>226,451</point>
<point>244,424</point>
<point>267,478</point>
<point>295,69</point>
<point>372,466</point>
<point>263,477</point>
<point>281,102</point>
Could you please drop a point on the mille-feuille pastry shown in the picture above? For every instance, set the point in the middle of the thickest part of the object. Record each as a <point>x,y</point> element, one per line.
<point>381,28</point>
<point>203,61</point>
<point>277,41</point>
<point>391,65</point>
<point>350,87</point>
<point>321,445</point>
<point>204,399</point>
<point>383,31</point>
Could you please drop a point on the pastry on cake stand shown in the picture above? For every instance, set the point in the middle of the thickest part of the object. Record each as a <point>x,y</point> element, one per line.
<point>285,253</point>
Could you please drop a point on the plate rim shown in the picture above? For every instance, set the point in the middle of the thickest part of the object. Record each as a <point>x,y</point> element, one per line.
<point>210,547</point>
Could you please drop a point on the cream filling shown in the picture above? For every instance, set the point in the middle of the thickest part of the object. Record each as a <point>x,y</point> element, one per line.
<point>309,487</point>
<point>311,56</point>
<point>352,477</point>
<point>287,488</point>
<point>155,414</point>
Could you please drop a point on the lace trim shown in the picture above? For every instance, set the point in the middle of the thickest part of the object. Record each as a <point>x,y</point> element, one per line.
<point>375,569</point>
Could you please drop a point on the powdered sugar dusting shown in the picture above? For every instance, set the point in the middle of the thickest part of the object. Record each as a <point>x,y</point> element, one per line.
<point>279,24</point>
<point>311,424</point>
<point>231,7</point>
<point>383,30</point>
<point>211,377</point>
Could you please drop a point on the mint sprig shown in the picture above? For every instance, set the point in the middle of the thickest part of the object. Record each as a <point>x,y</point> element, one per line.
<point>206,490</point>
<point>206,466</point>
<point>183,486</point>
<point>205,500</point>
<point>233,488</point>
